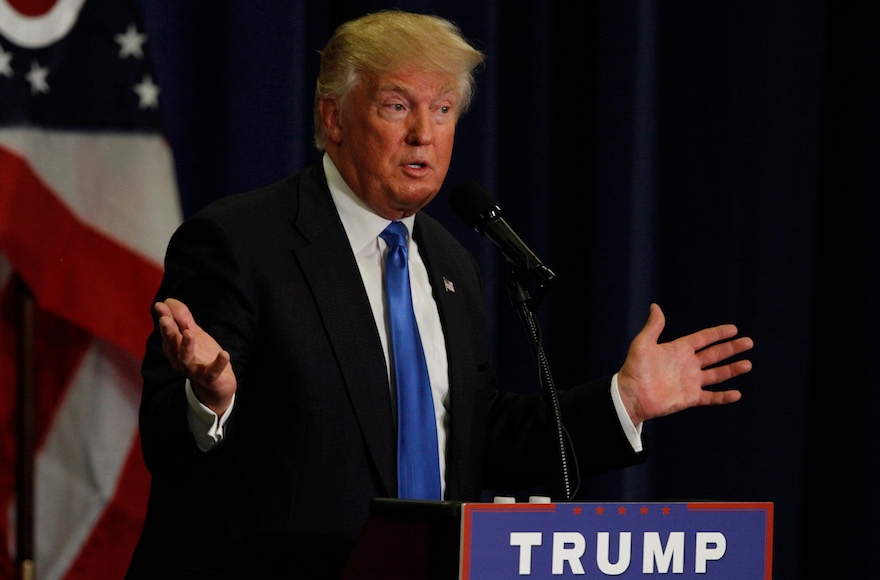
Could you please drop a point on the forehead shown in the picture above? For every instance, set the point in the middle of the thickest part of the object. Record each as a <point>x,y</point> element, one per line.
<point>416,82</point>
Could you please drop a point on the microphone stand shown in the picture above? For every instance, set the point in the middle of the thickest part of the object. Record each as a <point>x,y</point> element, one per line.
<point>526,306</point>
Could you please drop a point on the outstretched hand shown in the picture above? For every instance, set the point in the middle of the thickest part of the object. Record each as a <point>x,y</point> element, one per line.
<point>659,379</point>
<point>195,354</point>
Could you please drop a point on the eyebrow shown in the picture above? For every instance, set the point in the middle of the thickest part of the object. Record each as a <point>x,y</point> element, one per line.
<point>396,88</point>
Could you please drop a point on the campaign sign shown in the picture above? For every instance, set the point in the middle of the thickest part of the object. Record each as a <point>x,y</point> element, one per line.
<point>706,540</point>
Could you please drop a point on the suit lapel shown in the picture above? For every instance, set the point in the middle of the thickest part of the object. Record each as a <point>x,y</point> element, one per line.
<point>443,272</point>
<point>330,268</point>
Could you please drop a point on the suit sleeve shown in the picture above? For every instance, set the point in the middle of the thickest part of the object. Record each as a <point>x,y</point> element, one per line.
<point>522,448</point>
<point>202,271</point>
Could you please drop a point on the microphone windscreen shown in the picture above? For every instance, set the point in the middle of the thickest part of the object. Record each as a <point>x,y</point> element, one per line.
<point>471,202</point>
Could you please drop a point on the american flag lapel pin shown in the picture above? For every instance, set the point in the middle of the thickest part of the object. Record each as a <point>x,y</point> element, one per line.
<point>447,283</point>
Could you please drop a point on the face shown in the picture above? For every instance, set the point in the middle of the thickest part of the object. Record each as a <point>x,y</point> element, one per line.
<point>392,142</point>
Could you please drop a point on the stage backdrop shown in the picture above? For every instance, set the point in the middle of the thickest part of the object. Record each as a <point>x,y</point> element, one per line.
<point>719,158</point>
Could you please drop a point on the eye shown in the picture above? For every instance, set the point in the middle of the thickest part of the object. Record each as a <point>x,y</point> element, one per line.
<point>445,110</point>
<point>397,107</point>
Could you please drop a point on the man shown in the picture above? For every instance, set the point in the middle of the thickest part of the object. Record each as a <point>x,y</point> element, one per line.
<point>268,417</point>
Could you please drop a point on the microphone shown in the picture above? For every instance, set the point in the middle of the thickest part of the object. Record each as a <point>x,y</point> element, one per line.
<point>474,205</point>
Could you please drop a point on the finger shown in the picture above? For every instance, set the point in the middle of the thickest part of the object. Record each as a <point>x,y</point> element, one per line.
<point>181,313</point>
<point>720,374</point>
<point>724,350</point>
<point>186,350</point>
<point>709,336</point>
<point>720,397</point>
<point>170,337</point>
<point>171,340</point>
<point>168,325</point>
<point>161,309</point>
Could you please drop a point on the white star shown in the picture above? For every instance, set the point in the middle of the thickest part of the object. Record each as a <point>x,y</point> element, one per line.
<point>37,78</point>
<point>148,91</point>
<point>131,43</point>
<point>5,60</point>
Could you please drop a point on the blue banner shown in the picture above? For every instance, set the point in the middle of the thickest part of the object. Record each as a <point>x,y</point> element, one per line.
<point>625,540</point>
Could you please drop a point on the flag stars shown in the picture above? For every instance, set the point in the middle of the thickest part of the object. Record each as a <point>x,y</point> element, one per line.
<point>5,63</point>
<point>37,78</point>
<point>148,91</point>
<point>131,43</point>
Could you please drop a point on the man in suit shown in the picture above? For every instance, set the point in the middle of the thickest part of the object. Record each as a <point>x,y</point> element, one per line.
<point>268,416</point>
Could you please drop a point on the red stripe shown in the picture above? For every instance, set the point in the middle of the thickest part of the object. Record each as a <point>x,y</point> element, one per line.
<point>73,270</point>
<point>119,526</point>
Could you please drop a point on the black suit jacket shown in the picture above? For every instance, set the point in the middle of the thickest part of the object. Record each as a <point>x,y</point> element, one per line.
<point>311,440</point>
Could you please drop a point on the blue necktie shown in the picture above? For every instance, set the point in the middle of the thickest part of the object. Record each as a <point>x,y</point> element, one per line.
<point>418,465</point>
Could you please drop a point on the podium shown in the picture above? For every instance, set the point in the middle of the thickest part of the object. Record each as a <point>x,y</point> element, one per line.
<point>442,540</point>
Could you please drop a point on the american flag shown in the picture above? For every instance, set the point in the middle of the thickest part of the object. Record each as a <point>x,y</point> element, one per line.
<point>88,201</point>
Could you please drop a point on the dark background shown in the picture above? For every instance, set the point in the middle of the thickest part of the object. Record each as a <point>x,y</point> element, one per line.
<point>720,158</point>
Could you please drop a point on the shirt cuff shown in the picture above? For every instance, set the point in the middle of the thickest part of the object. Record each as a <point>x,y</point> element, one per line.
<point>633,433</point>
<point>204,424</point>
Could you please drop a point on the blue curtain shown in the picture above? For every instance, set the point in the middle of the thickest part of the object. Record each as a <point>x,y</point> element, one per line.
<point>719,158</point>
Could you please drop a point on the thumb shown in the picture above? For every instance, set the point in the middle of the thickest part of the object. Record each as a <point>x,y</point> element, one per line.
<point>655,324</point>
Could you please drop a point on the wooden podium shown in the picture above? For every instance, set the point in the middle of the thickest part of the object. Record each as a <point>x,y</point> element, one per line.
<point>441,540</point>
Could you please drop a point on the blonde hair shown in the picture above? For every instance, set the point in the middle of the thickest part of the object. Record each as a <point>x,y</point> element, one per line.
<point>384,42</point>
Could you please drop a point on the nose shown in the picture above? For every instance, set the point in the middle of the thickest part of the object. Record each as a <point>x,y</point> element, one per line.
<point>421,129</point>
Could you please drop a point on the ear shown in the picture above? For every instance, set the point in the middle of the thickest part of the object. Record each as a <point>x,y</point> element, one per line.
<point>328,108</point>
